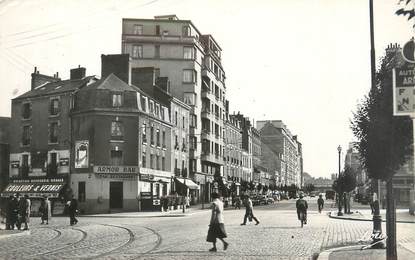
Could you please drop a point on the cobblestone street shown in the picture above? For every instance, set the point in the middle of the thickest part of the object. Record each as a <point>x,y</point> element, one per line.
<point>278,235</point>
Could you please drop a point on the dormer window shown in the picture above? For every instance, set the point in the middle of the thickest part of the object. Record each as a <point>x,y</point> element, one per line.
<point>116,100</point>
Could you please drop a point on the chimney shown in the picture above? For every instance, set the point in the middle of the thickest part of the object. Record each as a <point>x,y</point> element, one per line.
<point>40,79</point>
<point>78,73</point>
<point>118,64</point>
<point>144,78</point>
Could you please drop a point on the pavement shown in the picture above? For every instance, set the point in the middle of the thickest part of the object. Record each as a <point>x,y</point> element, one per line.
<point>406,244</point>
<point>402,215</point>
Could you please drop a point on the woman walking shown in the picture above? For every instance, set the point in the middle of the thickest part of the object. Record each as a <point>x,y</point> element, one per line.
<point>217,226</point>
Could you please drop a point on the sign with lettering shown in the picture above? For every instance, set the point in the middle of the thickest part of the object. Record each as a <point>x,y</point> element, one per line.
<point>64,161</point>
<point>146,195</point>
<point>146,177</point>
<point>403,90</point>
<point>15,188</point>
<point>116,169</point>
<point>408,51</point>
<point>14,164</point>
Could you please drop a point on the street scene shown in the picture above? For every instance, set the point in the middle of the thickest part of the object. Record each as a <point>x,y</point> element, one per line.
<point>207,129</point>
<point>182,236</point>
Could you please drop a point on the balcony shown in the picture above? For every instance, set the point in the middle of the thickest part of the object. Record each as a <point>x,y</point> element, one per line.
<point>207,94</point>
<point>141,38</point>
<point>213,158</point>
<point>206,114</point>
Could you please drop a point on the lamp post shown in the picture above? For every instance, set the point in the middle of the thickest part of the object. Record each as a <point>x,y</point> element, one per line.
<point>339,192</point>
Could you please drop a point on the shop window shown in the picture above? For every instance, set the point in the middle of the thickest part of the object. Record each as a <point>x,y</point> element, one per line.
<point>116,157</point>
<point>81,191</point>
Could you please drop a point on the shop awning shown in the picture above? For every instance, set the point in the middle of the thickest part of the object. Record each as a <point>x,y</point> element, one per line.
<point>33,189</point>
<point>189,183</point>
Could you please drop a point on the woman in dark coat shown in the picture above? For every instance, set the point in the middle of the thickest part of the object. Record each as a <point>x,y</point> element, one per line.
<point>217,226</point>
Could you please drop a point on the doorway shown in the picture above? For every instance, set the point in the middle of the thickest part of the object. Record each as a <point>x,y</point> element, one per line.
<point>116,195</point>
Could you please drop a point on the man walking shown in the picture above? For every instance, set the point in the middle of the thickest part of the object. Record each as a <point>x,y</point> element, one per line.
<point>73,209</point>
<point>249,213</point>
<point>320,202</point>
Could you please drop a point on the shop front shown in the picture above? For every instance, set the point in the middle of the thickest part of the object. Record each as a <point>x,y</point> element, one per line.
<point>37,190</point>
<point>153,187</point>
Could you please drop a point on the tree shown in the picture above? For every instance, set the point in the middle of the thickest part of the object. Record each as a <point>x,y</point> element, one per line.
<point>384,141</point>
<point>403,11</point>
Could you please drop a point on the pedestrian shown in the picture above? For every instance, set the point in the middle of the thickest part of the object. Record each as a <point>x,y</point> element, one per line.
<point>45,210</point>
<point>249,211</point>
<point>24,212</point>
<point>187,201</point>
<point>73,209</point>
<point>217,225</point>
<point>237,203</point>
<point>14,212</point>
<point>9,213</point>
<point>320,202</point>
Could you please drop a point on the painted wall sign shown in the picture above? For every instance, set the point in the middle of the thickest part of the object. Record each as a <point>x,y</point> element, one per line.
<point>115,169</point>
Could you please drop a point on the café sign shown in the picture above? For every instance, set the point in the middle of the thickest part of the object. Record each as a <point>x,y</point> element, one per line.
<point>115,169</point>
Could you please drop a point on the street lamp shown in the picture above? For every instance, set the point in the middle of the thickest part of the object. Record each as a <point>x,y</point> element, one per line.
<point>339,195</point>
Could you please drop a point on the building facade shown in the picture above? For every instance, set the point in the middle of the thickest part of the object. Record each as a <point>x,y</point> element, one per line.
<point>279,139</point>
<point>41,144</point>
<point>192,63</point>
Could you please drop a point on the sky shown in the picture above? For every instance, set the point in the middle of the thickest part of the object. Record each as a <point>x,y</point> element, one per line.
<point>305,62</point>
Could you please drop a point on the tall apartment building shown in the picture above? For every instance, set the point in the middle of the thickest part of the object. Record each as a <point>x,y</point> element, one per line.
<point>279,139</point>
<point>233,151</point>
<point>192,63</point>
<point>4,151</point>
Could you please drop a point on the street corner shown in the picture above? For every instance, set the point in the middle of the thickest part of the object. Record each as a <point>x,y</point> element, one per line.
<point>355,215</point>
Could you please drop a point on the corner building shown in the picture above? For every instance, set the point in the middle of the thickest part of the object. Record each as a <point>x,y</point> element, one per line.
<point>192,63</point>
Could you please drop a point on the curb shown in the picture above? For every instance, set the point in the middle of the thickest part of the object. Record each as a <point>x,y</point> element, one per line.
<point>174,215</point>
<point>27,232</point>
<point>366,219</point>
<point>326,253</point>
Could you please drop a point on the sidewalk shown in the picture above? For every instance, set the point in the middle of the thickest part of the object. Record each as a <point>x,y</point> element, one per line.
<point>152,214</point>
<point>355,252</point>
<point>402,216</point>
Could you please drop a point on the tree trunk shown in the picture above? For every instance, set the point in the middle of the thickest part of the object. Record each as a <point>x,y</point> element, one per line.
<point>391,253</point>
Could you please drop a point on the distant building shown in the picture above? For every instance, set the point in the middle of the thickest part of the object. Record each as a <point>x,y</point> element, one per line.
<point>233,152</point>
<point>275,134</point>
